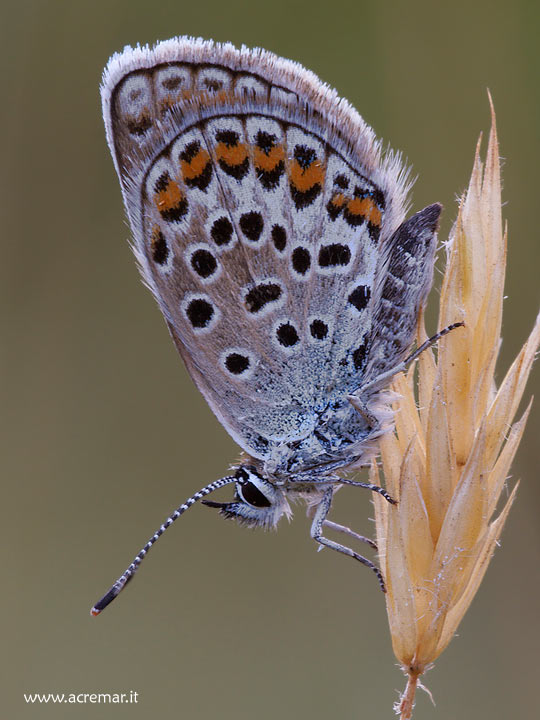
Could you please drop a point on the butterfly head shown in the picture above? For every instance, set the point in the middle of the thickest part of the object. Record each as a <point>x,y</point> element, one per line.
<point>257,501</point>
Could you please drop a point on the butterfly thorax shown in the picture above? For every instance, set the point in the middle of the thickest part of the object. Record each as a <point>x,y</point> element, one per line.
<point>338,436</point>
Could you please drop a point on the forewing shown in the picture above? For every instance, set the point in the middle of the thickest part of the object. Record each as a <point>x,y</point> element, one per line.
<point>259,204</point>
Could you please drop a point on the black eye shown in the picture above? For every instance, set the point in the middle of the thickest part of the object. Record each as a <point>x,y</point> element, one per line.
<point>252,495</point>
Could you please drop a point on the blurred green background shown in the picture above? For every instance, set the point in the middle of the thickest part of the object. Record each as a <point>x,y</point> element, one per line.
<point>104,433</point>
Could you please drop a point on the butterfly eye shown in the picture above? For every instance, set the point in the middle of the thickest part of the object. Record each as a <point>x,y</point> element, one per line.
<point>251,494</point>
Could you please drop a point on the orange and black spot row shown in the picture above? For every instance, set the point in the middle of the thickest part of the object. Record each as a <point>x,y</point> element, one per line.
<point>336,204</point>
<point>362,209</point>
<point>169,199</point>
<point>232,155</point>
<point>306,176</point>
<point>366,206</point>
<point>269,159</point>
<point>196,166</point>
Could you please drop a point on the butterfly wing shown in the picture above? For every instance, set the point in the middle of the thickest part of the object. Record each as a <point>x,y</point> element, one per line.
<point>402,283</point>
<point>263,218</point>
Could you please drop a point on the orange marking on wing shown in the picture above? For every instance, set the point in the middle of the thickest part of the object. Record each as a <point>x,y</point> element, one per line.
<point>196,165</point>
<point>338,200</point>
<point>365,207</point>
<point>268,162</point>
<point>305,178</point>
<point>169,197</point>
<point>234,155</point>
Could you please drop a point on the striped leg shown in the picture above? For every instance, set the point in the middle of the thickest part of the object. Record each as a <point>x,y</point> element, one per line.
<point>316,533</point>
<point>385,377</point>
<point>347,531</point>
<point>370,486</point>
<point>337,480</point>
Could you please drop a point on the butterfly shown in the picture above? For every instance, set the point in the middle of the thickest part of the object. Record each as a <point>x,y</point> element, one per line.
<point>270,227</point>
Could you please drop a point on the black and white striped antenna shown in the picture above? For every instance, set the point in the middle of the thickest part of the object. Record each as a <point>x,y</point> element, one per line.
<point>123,580</point>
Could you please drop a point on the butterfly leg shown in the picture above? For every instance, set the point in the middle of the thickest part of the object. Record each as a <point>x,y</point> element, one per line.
<point>369,486</point>
<point>358,404</point>
<point>316,533</point>
<point>347,531</point>
<point>385,377</point>
<point>337,479</point>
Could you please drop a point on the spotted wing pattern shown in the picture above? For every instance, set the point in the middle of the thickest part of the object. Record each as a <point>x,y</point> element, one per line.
<point>265,221</point>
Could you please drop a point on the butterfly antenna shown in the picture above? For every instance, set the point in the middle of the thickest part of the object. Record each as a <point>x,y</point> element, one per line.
<point>123,580</point>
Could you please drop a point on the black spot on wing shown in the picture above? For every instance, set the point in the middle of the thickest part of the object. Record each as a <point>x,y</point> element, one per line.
<point>279,237</point>
<point>334,255</point>
<point>162,182</point>
<point>199,313</point>
<point>359,356</point>
<point>287,335</point>
<point>301,260</point>
<point>236,363</point>
<point>304,156</point>
<point>318,329</point>
<point>203,263</point>
<point>252,225</point>
<point>259,296</point>
<point>303,198</point>
<point>222,231</point>
<point>159,247</point>
<point>228,137</point>
<point>360,296</point>
<point>190,151</point>
<point>265,141</point>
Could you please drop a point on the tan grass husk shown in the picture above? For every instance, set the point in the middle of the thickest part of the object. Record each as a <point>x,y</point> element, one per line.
<point>448,460</point>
